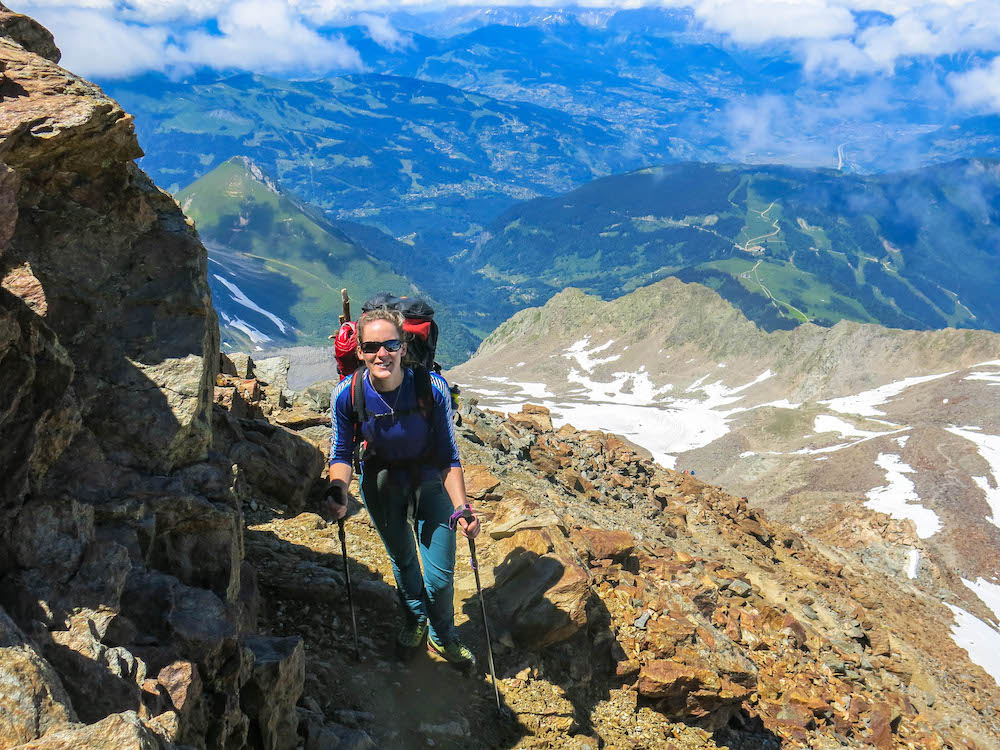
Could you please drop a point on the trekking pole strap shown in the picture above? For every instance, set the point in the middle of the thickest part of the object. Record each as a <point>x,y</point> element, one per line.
<point>463,512</point>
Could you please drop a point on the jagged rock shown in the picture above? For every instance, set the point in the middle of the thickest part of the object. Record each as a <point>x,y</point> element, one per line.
<point>29,34</point>
<point>122,731</point>
<point>37,422</point>
<point>100,680</point>
<point>272,691</point>
<point>233,400</point>
<point>236,364</point>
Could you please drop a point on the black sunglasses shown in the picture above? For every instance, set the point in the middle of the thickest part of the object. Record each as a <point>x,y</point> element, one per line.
<point>372,347</point>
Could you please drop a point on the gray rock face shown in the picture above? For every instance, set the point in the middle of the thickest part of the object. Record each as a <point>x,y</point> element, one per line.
<point>123,586</point>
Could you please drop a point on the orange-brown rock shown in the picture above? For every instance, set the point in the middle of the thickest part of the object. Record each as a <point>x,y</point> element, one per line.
<point>601,544</point>
<point>479,481</point>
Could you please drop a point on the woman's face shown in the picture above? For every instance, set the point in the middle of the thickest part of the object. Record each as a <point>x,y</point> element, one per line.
<point>382,364</point>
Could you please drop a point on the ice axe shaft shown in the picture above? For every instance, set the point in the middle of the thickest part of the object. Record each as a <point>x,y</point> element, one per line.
<point>467,516</point>
<point>350,589</point>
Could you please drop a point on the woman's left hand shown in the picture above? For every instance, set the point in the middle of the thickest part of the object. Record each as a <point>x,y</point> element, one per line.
<point>469,528</point>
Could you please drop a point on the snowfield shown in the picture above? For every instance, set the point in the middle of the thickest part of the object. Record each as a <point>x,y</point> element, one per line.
<point>989,449</point>
<point>979,639</point>
<point>864,403</point>
<point>899,498</point>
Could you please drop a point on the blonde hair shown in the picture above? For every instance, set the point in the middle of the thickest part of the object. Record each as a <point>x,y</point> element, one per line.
<point>381,313</point>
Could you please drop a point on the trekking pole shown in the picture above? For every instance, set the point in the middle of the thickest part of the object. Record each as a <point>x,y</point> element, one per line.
<point>350,593</point>
<point>467,515</point>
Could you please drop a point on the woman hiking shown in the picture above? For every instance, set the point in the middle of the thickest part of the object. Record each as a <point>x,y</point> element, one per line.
<point>410,474</point>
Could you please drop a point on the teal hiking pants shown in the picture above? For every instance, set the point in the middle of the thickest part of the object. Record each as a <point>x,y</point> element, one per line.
<point>427,594</point>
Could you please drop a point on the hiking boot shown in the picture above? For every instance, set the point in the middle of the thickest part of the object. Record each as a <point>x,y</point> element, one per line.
<point>411,638</point>
<point>454,653</point>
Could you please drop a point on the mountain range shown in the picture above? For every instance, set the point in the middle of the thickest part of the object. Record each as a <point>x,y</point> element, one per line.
<point>908,250</point>
<point>883,444</point>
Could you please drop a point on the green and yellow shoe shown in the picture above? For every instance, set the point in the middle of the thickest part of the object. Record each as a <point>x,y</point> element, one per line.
<point>454,653</point>
<point>410,639</point>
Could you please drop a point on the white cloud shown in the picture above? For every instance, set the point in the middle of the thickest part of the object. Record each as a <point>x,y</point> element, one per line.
<point>979,87</point>
<point>96,45</point>
<point>264,37</point>
<point>762,21</point>
<point>254,35</point>
<point>383,33</point>
<point>283,35</point>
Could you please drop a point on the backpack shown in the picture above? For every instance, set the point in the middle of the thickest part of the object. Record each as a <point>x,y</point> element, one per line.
<point>418,321</point>
<point>345,349</point>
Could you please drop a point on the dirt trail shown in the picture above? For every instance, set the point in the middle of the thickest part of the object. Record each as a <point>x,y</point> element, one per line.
<point>425,703</point>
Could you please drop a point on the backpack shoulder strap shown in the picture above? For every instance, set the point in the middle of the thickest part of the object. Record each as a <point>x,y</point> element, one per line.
<point>358,411</point>
<point>424,391</point>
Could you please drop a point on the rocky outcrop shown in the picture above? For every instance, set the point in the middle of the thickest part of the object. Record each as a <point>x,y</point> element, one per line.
<point>126,605</point>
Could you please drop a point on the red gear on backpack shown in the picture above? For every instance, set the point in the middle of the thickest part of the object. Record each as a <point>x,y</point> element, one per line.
<point>345,349</point>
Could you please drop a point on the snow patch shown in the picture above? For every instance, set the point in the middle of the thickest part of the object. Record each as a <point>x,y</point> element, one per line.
<point>988,592</point>
<point>535,390</point>
<point>746,454</point>
<point>989,377</point>
<point>240,298</point>
<point>978,639</point>
<point>989,449</point>
<point>911,570</point>
<point>780,404</point>
<point>864,403</point>
<point>241,325</point>
<point>828,423</point>
<point>584,356</point>
<point>990,363</point>
<point>898,498</point>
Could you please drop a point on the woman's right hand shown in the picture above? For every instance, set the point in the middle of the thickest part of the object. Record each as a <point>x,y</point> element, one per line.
<point>335,503</point>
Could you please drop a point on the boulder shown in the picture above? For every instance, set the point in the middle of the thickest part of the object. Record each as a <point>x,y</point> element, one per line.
<point>278,463</point>
<point>198,541</point>
<point>316,397</point>
<point>518,513</point>
<point>32,695</point>
<point>138,325</point>
<point>479,482</point>
<point>274,687</point>
<point>544,596</point>
<point>122,731</point>
<point>601,544</point>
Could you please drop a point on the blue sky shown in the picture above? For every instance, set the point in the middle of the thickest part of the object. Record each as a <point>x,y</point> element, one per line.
<point>832,38</point>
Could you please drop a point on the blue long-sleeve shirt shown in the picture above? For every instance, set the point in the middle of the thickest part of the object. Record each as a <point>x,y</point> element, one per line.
<point>394,436</point>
